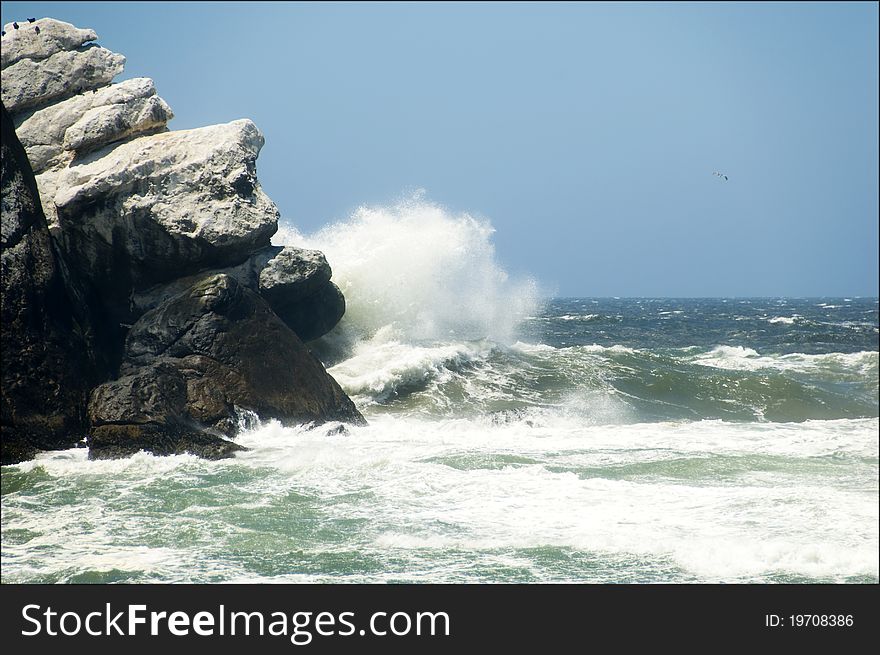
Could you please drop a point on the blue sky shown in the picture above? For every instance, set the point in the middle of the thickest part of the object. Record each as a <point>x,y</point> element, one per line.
<point>586,133</point>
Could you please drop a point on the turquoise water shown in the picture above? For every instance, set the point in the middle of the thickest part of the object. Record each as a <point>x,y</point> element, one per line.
<point>596,440</point>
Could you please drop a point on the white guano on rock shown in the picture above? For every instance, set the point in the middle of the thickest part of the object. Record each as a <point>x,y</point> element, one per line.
<point>29,43</point>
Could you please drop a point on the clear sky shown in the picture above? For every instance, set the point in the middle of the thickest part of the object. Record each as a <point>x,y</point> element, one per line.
<point>586,133</point>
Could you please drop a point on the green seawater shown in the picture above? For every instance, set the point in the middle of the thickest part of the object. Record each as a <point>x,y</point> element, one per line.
<point>609,441</point>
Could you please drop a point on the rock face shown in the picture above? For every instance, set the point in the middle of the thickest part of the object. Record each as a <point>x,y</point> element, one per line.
<point>54,135</point>
<point>30,83</point>
<point>46,351</point>
<point>294,281</point>
<point>316,315</point>
<point>297,285</point>
<point>208,357</point>
<point>160,242</point>
<point>292,274</point>
<point>54,36</point>
<point>158,207</point>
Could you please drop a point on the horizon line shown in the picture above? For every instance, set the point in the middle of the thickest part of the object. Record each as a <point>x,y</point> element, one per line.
<point>775,297</point>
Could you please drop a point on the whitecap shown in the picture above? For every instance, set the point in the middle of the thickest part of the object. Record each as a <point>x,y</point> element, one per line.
<point>746,359</point>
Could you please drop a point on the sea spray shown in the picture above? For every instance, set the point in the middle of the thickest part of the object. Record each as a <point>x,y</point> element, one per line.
<point>415,271</point>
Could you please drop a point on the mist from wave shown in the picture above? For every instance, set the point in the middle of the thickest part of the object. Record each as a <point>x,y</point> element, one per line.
<point>415,272</point>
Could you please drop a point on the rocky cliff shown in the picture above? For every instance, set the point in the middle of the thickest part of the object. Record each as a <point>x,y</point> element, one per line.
<point>48,365</point>
<point>144,256</point>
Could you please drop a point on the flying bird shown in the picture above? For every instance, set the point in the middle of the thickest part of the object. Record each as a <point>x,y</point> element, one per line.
<point>717,174</point>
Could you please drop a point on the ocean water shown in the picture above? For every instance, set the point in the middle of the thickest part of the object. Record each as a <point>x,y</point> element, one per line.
<point>510,439</point>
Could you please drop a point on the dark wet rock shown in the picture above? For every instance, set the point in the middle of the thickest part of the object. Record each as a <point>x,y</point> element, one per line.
<point>114,441</point>
<point>294,281</point>
<point>339,429</point>
<point>293,274</point>
<point>315,315</point>
<point>48,366</point>
<point>208,357</point>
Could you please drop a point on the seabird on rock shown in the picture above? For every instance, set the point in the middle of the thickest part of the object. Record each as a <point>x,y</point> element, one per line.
<point>37,29</point>
<point>2,32</point>
<point>15,25</point>
<point>31,20</point>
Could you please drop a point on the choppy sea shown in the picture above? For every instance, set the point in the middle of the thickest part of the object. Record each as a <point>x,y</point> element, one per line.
<point>511,439</point>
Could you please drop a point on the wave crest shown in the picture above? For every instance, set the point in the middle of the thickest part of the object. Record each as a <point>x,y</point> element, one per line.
<point>738,358</point>
<point>383,366</point>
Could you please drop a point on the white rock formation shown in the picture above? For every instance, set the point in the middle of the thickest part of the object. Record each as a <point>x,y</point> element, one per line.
<point>41,39</point>
<point>114,183</point>
<point>144,213</point>
<point>169,203</point>
<point>52,136</point>
<point>199,184</point>
<point>32,83</point>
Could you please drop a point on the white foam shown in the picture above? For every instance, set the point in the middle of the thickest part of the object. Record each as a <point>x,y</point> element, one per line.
<point>746,359</point>
<point>578,317</point>
<point>430,273</point>
<point>141,465</point>
<point>532,347</point>
<point>380,366</point>
<point>421,489</point>
<point>596,348</point>
<point>715,530</point>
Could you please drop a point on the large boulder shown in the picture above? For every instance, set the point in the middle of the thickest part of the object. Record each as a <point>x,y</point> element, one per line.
<point>294,281</point>
<point>53,36</point>
<point>54,135</point>
<point>48,367</point>
<point>292,274</point>
<point>199,364</point>
<point>148,410</point>
<point>31,83</point>
<point>163,206</point>
<point>315,315</point>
